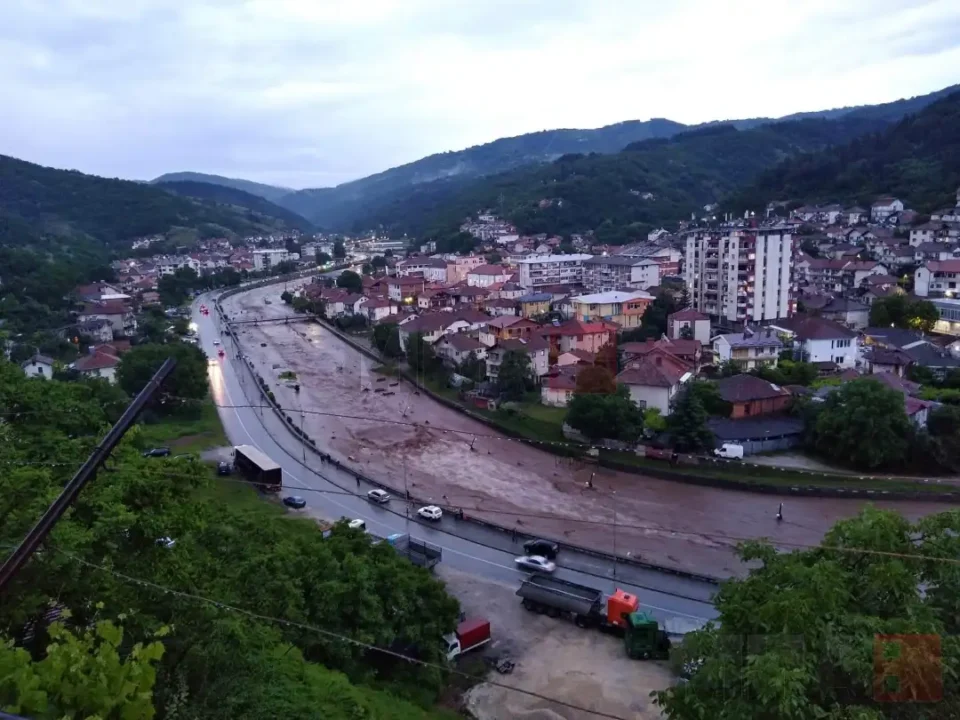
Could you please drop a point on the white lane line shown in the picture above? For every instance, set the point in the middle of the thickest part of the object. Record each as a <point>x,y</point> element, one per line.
<point>444,548</point>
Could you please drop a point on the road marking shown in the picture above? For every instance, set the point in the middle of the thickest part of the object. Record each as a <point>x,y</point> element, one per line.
<point>236,412</point>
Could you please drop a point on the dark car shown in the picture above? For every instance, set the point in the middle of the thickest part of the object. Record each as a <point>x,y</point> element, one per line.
<point>157,452</point>
<point>544,548</point>
<point>224,468</point>
<point>294,501</point>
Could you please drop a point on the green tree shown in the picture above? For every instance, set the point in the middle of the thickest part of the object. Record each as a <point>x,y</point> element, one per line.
<point>420,355</point>
<point>81,676</point>
<point>188,379</point>
<point>863,424</point>
<point>473,368</point>
<point>687,423</point>
<point>903,312</point>
<point>515,376</point>
<point>797,638</point>
<point>379,262</point>
<point>386,338</point>
<point>596,380</point>
<point>339,251</point>
<point>175,289</point>
<point>349,280</point>
<point>286,296</point>
<point>323,258</point>
<point>615,416</point>
<point>367,269</point>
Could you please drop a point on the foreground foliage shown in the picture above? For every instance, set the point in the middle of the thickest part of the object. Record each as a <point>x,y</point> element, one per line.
<point>228,546</point>
<point>797,639</point>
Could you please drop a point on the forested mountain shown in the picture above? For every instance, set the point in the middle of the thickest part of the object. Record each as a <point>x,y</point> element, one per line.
<point>917,160</point>
<point>620,195</point>
<point>225,195</point>
<point>346,206</point>
<point>268,192</point>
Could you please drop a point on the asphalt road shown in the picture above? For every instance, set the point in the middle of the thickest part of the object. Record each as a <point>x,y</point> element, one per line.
<point>678,602</point>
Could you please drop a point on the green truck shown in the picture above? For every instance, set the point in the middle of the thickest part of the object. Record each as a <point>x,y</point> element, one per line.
<point>588,607</point>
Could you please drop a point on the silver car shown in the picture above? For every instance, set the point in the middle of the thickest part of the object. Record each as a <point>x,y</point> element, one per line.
<point>537,563</point>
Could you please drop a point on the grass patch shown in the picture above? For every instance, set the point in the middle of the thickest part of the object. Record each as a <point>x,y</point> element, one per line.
<point>747,475</point>
<point>203,431</point>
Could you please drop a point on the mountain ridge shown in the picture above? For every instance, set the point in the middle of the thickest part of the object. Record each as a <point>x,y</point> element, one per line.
<point>230,196</point>
<point>268,192</point>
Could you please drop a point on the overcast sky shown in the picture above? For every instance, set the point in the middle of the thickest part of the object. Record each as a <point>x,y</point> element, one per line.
<point>309,93</point>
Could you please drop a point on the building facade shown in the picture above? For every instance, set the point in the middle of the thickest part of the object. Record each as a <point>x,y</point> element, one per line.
<point>603,273</point>
<point>741,275</point>
<point>544,270</point>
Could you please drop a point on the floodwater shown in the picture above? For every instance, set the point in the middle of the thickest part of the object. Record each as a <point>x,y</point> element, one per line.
<point>408,440</point>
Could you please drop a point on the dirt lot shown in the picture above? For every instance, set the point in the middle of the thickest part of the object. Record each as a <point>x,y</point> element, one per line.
<point>406,438</point>
<point>554,658</point>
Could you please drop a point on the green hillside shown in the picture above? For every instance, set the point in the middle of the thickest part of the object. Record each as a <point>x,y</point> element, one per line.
<point>237,199</point>
<point>268,192</point>
<point>620,195</point>
<point>917,160</point>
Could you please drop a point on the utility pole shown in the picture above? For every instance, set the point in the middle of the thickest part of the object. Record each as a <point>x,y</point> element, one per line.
<point>72,489</point>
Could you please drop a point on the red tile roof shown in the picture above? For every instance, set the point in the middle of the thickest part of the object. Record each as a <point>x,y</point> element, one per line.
<point>100,360</point>
<point>746,388</point>
<point>688,314</point>
<point>655,369</point>
<point>944,266</point>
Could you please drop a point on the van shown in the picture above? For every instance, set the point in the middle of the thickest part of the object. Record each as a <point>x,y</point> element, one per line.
<point>730,451</point>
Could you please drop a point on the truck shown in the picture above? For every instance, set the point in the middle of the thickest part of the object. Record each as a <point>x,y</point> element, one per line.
<point>419,552</point>
<point>256,468</point>
<point>591,608</point>
<point>469,635</point>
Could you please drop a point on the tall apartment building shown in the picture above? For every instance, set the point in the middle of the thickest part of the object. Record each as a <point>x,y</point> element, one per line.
<point>265,259</point>
<point>537,272</point>
<point>741,275</point>
<point>603,273</point>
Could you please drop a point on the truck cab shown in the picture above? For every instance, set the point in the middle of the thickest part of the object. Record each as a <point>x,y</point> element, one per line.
<point>644,639</point>
<point>469,635</point>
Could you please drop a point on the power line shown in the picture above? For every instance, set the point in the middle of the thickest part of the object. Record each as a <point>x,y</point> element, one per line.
<point>332,635</point>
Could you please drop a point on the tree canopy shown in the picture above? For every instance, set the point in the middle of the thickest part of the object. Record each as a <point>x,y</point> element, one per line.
<point>515,376</point>
<point>188,379</point>
<point>606,415</point>
<point>822,633</point>
<point>687,423</point>
<point>904,312</point>
<point>349,280</point>
<point>230,549</point>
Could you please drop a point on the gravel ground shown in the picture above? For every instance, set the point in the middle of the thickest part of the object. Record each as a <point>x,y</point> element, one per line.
<point>554,658</point>
<point>408,439</point>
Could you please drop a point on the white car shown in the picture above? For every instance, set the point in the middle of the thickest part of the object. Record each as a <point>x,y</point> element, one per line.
<point>216,342</point>
<point>357,524</point>
<point>430,512</point>
<point>538,563</point>
<point>378,496</point>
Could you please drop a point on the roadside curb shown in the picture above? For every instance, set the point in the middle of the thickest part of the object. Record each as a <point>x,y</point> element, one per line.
<point>311,444</point>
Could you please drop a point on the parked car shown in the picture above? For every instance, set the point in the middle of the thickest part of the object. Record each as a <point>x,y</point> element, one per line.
<point>730,451</point>
<point>379,496</point>
<point>543,548</point>
<point>430,512</point>
<point>216,342</point>
<point>224,468</point>
<point>357,524</point>
<point>294,501</point>
<point>537,563</point>
<point>157,452</point>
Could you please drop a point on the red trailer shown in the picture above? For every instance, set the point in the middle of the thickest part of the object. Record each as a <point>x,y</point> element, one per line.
<point>470,634</point>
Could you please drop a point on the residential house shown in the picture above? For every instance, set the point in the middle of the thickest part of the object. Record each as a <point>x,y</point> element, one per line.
<point>854,215</point>
<point>575,357</point>
<point>405,289</point>
<point>884,207</point>
<point>99,363</point>
<point>487,275</point>
<point>937,279</point>
<point>432,327</point>
<point>457,347</point>
<point>377,309</point>
<point>534,304</point>
<point>535,347</point>
<point>877,287</point>
<point>949,321</point>
<point>626,309</point>
<point>847,312</point>
<point>750,396</point>
<point>654,379</point>
<point>886,360</point>
<point>559,385</point>
<point>500,306</point>
<point>96,330</point>
<point>39,366</point>
<point>506,328</point>
<point>603,273</point>
<point>511,290</point>
<point>96,292</point>
<point>578,335</point>
<point>937,360</point>
<point>116,312</point>
<point>821,341</point>
<point>468,294</point>
<point>690,351</point>
<point>749,349</point>
<point>689,322</point>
